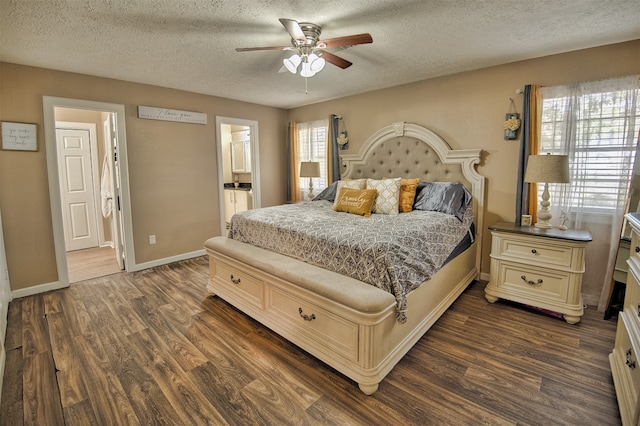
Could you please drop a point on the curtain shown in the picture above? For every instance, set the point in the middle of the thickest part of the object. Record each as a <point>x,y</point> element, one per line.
<point>526,201</point>
<point>334,150</point>
<point>596,125</point>
<point>293,187</point>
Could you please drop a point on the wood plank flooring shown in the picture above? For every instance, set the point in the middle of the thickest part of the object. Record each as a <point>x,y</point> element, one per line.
<point>152,348</point>
<point>91,263</point>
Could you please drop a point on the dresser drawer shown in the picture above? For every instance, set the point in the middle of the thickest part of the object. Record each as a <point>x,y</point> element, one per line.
<point>627,369</point>
<point>533,284</point>
<point>249,288</point>
<point>322,327</point>
<point>632,296</point>
<point>538,251</point>
<point>634,249</point>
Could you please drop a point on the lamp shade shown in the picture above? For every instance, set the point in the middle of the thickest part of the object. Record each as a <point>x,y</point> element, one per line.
<point>310,169</point>
<point>292,63</point>
<point>548,169</point>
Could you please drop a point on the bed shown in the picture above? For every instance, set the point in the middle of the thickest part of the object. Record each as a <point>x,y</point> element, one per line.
<point>360,328</point>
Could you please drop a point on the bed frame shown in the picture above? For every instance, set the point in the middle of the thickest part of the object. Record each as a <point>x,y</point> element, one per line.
<point>348,324</point>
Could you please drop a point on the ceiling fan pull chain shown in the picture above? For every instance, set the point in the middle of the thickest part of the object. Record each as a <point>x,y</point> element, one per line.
<point>306,87</point>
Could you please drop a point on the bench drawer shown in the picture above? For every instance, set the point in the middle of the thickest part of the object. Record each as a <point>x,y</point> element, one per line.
<point>325,328</point>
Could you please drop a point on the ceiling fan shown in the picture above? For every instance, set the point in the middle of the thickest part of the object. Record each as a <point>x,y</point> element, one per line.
<point>309,51</point>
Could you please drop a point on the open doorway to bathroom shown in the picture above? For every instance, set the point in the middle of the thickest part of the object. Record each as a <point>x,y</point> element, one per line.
<point>88,188</point>
<point>85,169</point>
<point>238,167</point>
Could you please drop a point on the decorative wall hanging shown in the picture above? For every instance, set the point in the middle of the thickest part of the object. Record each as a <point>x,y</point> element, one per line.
<point>19,136</point>
<point>343,135</point>
<point>166,114</point>
<point>511,126</point>
<point>512,120</point>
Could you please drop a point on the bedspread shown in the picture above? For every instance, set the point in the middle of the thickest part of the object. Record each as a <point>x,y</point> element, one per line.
<point>396,253</point>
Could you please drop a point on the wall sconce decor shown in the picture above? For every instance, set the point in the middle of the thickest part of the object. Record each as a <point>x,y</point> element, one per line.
<point>343,135</point>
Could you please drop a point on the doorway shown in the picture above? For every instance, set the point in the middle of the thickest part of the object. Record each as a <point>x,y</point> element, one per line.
<point>88,188</point>
<point>238,167</point>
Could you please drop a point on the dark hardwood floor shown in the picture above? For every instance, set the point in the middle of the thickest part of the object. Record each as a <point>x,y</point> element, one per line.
<point>152,348</point>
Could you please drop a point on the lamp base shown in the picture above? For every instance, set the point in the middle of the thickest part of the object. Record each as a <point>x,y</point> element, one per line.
<point>544,225</point>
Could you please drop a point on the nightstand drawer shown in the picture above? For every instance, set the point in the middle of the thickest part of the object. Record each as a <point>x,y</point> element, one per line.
<point>533,283</point>
<point>628,356</point>
<point>536,251</point>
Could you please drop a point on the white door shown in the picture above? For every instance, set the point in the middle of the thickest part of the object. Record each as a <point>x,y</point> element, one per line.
<point>5,298</point>
<point>111,147</point>
<point>77,189</point>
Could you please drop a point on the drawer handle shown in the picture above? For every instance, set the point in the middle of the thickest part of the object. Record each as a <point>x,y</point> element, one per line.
<point>235,280</point>
<point>531,282</point>
<point>306,317</point>
<point>637,249</point>
<point>534,251</point>
<point>631,364</point>
<point>639,309</point>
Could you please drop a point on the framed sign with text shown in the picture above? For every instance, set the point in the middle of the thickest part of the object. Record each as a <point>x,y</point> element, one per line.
<point>19,136</point>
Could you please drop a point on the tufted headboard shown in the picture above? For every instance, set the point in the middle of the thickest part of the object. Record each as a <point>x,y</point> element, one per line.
<point>409,151</point>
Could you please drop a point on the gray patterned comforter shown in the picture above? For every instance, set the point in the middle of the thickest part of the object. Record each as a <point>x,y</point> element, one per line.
<point>396,253</point>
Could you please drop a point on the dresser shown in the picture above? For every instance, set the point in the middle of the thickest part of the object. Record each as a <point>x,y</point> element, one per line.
<point>538,267</point>
<point>624,357</point>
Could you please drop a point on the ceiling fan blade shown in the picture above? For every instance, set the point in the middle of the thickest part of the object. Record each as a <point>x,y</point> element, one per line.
<point>250,49</point>
<point>294,30</point>
<point>351,40</point>
<point>336,60</point>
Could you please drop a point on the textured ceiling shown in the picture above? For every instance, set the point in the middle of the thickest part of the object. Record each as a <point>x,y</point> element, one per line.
<point>189,44</point>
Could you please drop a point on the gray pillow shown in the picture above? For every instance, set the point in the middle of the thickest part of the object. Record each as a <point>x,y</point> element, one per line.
<point>445,197</point>
<point>329,193</point>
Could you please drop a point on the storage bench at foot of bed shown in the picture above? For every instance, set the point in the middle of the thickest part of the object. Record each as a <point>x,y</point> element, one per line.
<point>348,324</point>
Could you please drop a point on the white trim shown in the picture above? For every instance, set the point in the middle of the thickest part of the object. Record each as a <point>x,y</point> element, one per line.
<point>37,289</point>
<point>49,104</point>
<point>484,276</point>
<point>167,260</point>
<point>255,163</point>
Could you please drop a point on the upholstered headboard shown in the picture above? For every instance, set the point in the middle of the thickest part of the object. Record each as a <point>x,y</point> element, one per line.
<point>409,151</point>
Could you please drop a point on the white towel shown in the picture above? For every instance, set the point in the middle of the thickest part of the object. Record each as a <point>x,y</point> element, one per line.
<point>105,188</point>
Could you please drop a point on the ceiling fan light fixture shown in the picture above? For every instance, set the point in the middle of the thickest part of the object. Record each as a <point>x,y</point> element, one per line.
<point>306,70</point>
<point>292,62</point>
<point>316,63</point>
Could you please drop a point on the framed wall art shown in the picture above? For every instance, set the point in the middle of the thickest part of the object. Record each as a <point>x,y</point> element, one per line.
<point>19,136</point>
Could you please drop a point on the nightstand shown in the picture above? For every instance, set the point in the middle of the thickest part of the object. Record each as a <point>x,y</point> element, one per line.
<point>538,267</point>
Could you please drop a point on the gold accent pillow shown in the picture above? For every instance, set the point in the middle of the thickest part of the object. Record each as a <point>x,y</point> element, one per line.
<point>349,183</point>
<point>388,195</point>
<point>408,194</point>
<point>356,201</point>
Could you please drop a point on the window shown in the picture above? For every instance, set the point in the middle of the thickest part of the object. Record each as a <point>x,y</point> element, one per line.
<point>597,124</point>
<point>312,143</point>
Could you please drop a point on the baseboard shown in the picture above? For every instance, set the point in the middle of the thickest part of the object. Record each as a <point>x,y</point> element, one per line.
<point>3,358</point>
<point>166,260</point>
<point>36,289</point>
<point>484,276</point>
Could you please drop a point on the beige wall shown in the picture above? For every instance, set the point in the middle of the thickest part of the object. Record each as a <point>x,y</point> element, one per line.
<point>172,167</point>
<point>468,109</point>
<point>173,175</point>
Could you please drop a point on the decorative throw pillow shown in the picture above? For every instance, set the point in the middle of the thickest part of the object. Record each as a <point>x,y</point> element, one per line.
<point>329,193</point>
<point>445,197</point>
<point>349,183</point>
<point>356,201</point>
<point>388,197</point>
<point>408,194</point>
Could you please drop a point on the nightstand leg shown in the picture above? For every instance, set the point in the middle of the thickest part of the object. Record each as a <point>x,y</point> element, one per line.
<point>490,299</point>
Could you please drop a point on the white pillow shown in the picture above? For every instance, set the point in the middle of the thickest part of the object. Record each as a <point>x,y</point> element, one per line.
<point>349,183</point>
<point>388,195</point>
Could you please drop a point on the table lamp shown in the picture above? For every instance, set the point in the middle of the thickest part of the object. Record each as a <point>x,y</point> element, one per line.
<point>310,169</point>
<point>546,169</point>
